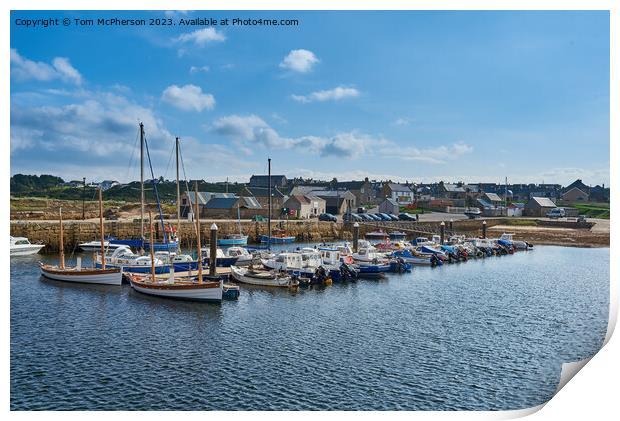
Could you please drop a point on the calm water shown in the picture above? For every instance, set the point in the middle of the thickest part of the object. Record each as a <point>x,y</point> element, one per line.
<point>486,334</point>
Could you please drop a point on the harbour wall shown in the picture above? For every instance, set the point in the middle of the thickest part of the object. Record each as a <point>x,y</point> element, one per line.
<point>78,231</point>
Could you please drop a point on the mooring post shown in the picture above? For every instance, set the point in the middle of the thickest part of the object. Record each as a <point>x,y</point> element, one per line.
<point>356,236</point>
<point>484,229</point>
<point>213,250</point>
<point>442,232</point>
<point>451,222</point>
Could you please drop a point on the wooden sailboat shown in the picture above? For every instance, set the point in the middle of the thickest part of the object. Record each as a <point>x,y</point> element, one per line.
<point>187,288</point>
<point>103,275</point>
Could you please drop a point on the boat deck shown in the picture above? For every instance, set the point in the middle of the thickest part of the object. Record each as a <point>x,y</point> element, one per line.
<point>218,270</point>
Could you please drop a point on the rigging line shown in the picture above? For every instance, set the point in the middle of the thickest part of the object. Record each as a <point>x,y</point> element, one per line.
<point>154,182</point>
<point>131,157</point>
<point>169,161</point>
<point>187,185</point>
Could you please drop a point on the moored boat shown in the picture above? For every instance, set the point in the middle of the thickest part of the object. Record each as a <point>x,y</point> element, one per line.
<point>21,246</point>
<point>263,277</point>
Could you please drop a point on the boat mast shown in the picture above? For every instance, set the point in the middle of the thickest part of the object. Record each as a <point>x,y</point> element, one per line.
<point>269,214</point>
<point>178,198</point>
<point>61,244</point>
<point>198,234</point>
<point>151,248</point>
<point>141,180</point>
<point>101,230</point>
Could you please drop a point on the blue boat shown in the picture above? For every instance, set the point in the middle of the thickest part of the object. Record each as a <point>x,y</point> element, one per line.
<point>277,239</point>
<point>233,240</point>
<point>138,243</point>
<point>372,271</point>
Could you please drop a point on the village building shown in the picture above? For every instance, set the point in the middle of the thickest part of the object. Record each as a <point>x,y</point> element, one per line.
<point>305,206</point>
<point>401,193</point>
<point>538,206</point>
<point>279,181</point>
<point>575,195</point>
<point>262,196</point>
<point>389,205</point>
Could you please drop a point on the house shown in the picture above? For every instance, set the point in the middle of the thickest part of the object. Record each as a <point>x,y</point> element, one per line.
<point>337,202</point>
<point>278,181</point>
<point>188,201</point>
<point>451,191</point>
<point>262,196</point>
<point>389,205</point>
<point>400,193</point>
<point>493,199</point>
<point>362,190</point>
<point>579,185</point>
<point>231,208</point>
<point>305,206</point>
<point>108,184</point>
<point>575,195</point>
<point>538,206</point>
<point>515,209</point>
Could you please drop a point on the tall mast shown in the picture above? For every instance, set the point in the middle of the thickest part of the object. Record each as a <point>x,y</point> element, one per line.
<point>141,180</point>
<point>198,234</point>
<point>269,215</point>
<point>101,229</point>
<point>151,247</point>
<point>178,198</point>
<point>61,244</point>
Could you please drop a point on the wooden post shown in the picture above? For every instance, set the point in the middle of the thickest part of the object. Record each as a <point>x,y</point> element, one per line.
<point>152,247</point>
<point>198,234</point>
<point>61,242</point>
<point>451,222</point>
<point>484,229</point>
<point>442,232</point>
<point>213,251</point>
<point>101,229</point>
<point>356,236</point>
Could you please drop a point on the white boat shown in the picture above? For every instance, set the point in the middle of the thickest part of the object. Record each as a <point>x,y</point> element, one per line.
<point>518,244</point>
<point>128,261</point>
<point>20,246</point>
<point>187,288</point>
<point>103,275</point>
<point>108,276</point>
<point>94,246</point>
<point>368,255</point>
<point>262,277</point>
<point>244,257</point>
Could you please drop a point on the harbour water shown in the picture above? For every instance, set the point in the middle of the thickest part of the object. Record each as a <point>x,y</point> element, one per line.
<point>482,335</point>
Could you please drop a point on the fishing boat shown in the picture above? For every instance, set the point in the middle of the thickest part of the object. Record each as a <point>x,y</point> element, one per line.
<point>130,262</point>
<point>269,278</point>
<point>244,257</point>
<point>378,235</point>
<point>277,239</point>
<point>193,288</point>
<point>104,275</point>
<point>415,258</point>
<point>21,246</point>
<point>518,244</point>
<point>398,236</point>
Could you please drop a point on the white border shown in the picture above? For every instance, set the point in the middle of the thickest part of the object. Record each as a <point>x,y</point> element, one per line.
<point>592,394</point>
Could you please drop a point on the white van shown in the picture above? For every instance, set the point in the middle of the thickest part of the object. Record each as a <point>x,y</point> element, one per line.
<point>556,213</point>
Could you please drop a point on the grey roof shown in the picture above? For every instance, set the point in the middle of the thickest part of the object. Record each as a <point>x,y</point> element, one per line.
<point>306,189</point>
<point>332,193</point>
<point>544,202</point>
<point>399,187</point>
<point>250,203</point>
<point>264,191</point>
<point>350,185</point>
<point>391,201</point>
<point>263,180</point>
<point>493,197</point>
<point>222,203</point>
<point>575,188</point>
<point>453,188</point>
<point>204,197</point>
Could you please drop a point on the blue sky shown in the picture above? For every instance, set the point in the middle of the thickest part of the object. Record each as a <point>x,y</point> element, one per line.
<point>418,96</point>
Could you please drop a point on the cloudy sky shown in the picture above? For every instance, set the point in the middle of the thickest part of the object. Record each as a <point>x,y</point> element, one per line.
<point>418,96</point>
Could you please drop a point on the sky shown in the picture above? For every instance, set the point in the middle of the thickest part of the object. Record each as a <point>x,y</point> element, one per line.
<point>416,96</point>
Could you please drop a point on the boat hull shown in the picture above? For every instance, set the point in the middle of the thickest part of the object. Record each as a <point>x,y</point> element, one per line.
<point>276,240</point>
<point>207,292</point>
<point>106,276</point>
<point>242,241</point>
<point>159,269</point>
<point>27,251</point>
<point>240,275</point>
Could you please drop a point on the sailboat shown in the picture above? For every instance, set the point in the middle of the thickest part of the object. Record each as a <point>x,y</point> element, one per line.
<point>279,236</point>
<point>181,287</point>
<point>103,275</point>
<point>170,243</point>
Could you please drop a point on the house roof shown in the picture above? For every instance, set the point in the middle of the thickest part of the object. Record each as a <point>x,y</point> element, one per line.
<point>332,193</point>
<point>391,201</point>
<point>306,189</point>
<point>453,188</point>
<point>493,197</point>
<point>250,203</point>
<point>204,197</point>
<point>398,187</point>
<point>543,202</point>
<point>222,203</point>
<point>350,185</point>
<point>578,190</point>
<point>264,191</point>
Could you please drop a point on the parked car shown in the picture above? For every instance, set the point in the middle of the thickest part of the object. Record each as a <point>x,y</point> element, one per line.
<point>365,217</point>
<point>351,217</point>
<point>327,217</point>
<point>406,217</point>
<point>393,217</point>
<point>361,209</point>
<point>556,213</point>
<point>374,217</point>
<point>383,216</point>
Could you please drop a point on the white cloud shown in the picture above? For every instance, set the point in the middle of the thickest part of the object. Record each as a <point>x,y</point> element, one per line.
<point>202,37</point>
<point>252,130</point>
<point>402,121</point>
<point>199,69</point>
<point>188,98</point>
<point>436,155</point>
<point>335,94</point>
<point>24,69</point>
<point>300,61</point>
